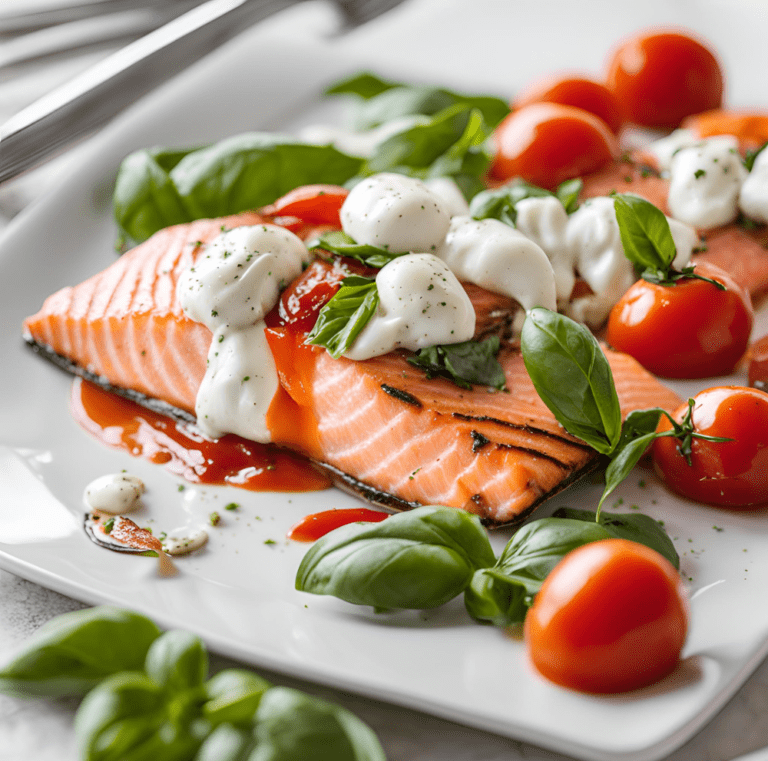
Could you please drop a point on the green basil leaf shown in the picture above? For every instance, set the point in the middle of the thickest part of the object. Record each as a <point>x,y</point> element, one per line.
<point>120,718</point>
<point>452,144</point>
<point>501,203</point>
<point>345,315</point>
<point>387,100</point>
<point>639,423</point>
<point>292,726</point>
<point>418,559</point>
<point>365,85</point>
<point>749,158</point>
<point>645,232</point>
<point>233,696</point>
<point>145,198</point>
<point>158,188</point>
<point>177,660</point>
<point>251,170</point>
<point>636,527</point>
<point>73,652</point>
<point>572,377</point>
<point>227,743</point>
<point>503,593</point>
<point>338,242</point>
<point>464,363</point>
<point>568,194</point>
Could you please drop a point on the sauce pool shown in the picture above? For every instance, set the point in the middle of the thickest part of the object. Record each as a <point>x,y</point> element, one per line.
<point>230,460</point>
<point>312,527</point>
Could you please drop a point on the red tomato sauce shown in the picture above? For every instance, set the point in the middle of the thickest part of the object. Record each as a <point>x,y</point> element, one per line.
<point>231,460</point>
<point>312,527</point>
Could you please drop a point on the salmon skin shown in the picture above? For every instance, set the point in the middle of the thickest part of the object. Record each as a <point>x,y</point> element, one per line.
<point>379,427</point>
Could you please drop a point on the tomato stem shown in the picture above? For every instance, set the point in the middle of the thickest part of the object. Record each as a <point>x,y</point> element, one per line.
<point>685,432</point>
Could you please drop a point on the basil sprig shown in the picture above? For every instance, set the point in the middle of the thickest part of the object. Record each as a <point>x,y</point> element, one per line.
<point>150,698</point>
<point>158,187</point>
<point>417,559</point>
<point>751,155</point>
<point>502,594</point>
<point>382,100</point>
<point>464,363</point>
<point>573,378</point>
<point>451,144</point>
<point>345,315</point>
<point>338,242</point>
<point>648,242</point>
<point>501,203</point>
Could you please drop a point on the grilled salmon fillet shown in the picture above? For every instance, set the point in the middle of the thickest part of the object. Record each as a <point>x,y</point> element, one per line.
<point>379,426</point>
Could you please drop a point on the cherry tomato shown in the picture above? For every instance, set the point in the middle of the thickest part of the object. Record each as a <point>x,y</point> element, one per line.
<point>312,204</point>
<point>611,616</point>
<point>546,143</point>
<point>728,473</point>
<point>758,364</point>
<point>662,77</point>
<point>687,330</point>
<point>750,127</point>
<point>580,92</point>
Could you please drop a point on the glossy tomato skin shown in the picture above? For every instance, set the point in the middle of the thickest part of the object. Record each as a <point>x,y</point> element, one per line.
<point>547,143</point>
<point>687,330</point>
<point>580,92</point>
<point>729,473</point>
<point>662,77</point>
<point>312,204</point>
<point>612,616</point>
<point>758,364</point>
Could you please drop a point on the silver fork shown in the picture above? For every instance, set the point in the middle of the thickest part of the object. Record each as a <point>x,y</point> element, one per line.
<point>95,96</point>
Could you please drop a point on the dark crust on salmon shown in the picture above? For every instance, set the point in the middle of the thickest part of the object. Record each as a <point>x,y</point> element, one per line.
<point>66,364</point>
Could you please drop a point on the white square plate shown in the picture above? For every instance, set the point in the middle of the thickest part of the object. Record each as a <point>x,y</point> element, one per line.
<point>238,592</point>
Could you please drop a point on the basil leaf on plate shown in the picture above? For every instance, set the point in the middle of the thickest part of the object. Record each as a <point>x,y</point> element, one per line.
<point>418,559</point>
<point>345,315</point>
<point>501,595</point>
<point>386,100</point>
<point>293,726</point>
<point>338,242</point>
<point>158,187</point>
<point>636,527</point>
<point>73,652</point>
<point>645,232</point>
<point>572,376</point>
<point>464,363</point>
<point>227,743</point>
<point>568,192</point>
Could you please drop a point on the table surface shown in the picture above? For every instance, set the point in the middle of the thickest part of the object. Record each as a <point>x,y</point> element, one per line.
<point>476,34</point>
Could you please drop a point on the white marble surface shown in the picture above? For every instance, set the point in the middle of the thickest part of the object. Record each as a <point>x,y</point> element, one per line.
<point>475,35</point>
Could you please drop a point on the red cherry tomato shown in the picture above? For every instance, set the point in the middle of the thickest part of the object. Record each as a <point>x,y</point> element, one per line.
<point>546,143</point>
<point>580,92</point>
<point>687,330</point>
<point>728,473</point>
<point>662,77</point>
<point>612,616</point>
<point>312,204</point>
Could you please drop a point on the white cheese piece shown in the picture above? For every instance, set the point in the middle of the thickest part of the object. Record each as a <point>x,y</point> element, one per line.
<point>544,221</point>
<point>115,494</point>
<point>501,259</point>
<point>421,304</point>
<point>236,280</point>
<point>451,194</point>
<point>396,213</point>
<point>753,198</point>
<point>183,545</point>
<point>704,185</point>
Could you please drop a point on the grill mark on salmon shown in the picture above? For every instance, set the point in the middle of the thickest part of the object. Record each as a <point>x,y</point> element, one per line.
<point>373,443</point>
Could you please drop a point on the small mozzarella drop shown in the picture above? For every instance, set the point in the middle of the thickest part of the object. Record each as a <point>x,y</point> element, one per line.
<point>183,545</point>
<point>114,494</point>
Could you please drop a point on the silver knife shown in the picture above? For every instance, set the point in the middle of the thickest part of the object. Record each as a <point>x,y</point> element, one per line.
<point>91,99</point>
